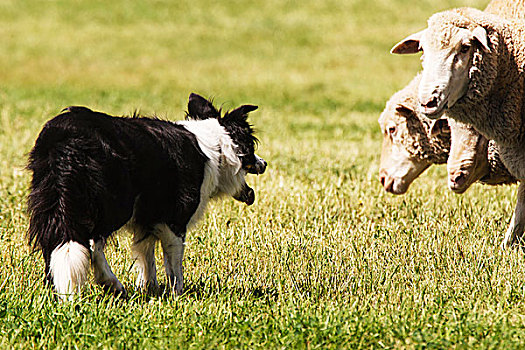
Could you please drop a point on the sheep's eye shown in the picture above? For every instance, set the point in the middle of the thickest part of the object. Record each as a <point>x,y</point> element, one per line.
<point>464,48</point>
<point>392,130</point>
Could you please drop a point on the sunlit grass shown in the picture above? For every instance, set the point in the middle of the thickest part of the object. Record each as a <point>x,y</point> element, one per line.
<point>325,258</point>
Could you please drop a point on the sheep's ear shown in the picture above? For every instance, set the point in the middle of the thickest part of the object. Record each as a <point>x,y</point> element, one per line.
<point>404,109</point>
<point>440,126</point>
<point>410,44</point>
<point>480,35</point>
<point>201,108</point>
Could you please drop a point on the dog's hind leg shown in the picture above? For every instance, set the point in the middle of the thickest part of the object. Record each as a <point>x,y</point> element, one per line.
<point>173,248</point>
<point>144,254</point>
<point>69,268</point>
<point>101,270</point>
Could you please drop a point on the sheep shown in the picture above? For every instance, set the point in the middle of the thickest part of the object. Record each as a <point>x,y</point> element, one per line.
<point>412,142</point>
<point>510,9</point>
<point>498,173</point>
<point>472,157</point>
<point>408,146</point>
<point>473,69</point>
<point>469,159</point>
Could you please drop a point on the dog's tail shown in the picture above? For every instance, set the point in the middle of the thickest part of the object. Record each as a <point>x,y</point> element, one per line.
<point>61,219</point>
<point>69,267</point>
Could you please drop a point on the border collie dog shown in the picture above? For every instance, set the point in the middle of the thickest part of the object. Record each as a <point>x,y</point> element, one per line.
<point>93,173</point>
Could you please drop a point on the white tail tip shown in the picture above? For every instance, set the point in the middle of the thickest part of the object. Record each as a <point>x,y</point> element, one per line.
<point>69,268</point>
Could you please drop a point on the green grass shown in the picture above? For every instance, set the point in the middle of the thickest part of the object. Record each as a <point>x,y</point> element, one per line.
<point>325,258</point>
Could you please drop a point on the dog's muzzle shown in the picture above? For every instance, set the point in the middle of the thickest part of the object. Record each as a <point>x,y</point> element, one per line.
<point>247,195</point>
<point>259,167</point>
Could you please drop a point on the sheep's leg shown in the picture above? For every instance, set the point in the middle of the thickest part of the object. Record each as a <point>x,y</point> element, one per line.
<point>172,241</point>
<point>101,270</point>
<point>144,254</point>
<point>517,224</point>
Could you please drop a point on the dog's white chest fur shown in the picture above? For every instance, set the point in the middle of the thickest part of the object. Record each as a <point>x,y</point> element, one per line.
<point>218,147</point>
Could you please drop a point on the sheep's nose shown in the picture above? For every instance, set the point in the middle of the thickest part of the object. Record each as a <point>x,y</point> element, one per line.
<point>386,181</point>
<point>382,178</point>
<point>432,102</point>
<point>459,179</point>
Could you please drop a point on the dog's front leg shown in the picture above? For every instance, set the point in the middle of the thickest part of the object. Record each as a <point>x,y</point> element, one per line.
<point>172,241</point>
<point>101,270</point>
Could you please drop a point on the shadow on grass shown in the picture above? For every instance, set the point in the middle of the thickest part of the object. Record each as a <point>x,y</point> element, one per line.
<point>201,291</point>
<point>195,290</point>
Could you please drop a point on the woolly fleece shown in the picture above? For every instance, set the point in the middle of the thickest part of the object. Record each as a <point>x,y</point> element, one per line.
<point>494,102</point>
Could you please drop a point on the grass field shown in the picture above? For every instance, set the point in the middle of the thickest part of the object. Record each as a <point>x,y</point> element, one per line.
<point>325,258</point>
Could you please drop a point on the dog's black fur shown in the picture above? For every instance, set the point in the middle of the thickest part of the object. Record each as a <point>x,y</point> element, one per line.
<point>93,172</point>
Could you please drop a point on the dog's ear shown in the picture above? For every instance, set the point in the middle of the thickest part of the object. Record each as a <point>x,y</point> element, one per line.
<point>201,108</point>
<point>241,112</point>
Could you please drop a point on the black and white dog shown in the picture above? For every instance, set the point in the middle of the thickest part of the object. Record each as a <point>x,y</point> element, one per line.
<point>93,173</point>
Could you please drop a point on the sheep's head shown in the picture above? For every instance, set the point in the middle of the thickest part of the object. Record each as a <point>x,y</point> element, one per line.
<point>398,167</point>
<point>467,160</point>
<point>410,144</point>
<point>448,46</point>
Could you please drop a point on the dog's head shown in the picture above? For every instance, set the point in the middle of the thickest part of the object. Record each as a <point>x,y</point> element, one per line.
<point>238,150</point>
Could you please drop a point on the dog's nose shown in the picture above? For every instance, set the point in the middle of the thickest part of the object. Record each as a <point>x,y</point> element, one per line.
<point>260,165</point>
<point>264,165</point>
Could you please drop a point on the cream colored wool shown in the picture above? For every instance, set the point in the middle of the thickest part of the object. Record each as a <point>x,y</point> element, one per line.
<point>417,139</point>
<point>415,130</point>
<point>498,173</point>
<point>507,8</point>
<point>494,102</point>
<point>437,154</point>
